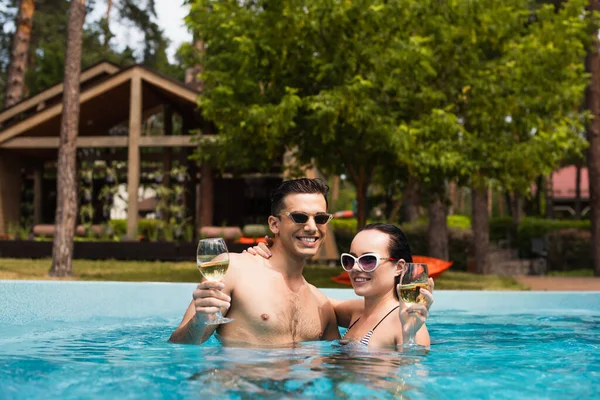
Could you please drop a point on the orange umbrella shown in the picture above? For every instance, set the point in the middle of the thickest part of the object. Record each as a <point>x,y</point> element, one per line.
<point>435,266</point>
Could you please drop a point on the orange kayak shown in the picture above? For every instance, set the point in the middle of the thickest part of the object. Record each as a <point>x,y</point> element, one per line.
<point>251,241</point>
<point>435,267</point>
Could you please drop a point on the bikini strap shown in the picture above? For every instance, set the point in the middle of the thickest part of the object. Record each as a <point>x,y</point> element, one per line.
<point>386,315</point>
<point>351,325</point>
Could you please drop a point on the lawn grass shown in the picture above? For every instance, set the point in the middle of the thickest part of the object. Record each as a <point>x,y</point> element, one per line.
<point>135,271</point>
<point>466,281</point>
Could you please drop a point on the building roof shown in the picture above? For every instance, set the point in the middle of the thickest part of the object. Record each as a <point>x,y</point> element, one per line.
<point>563,183</point>
<point>34,123</point>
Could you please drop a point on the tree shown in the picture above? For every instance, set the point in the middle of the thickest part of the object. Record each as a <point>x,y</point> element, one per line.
<point>66,203</point>
<point>15,81</point>
<point>7,15</point>
<point>520,109</point>
<point>592,100</point>
<point>448,92</point>
<point>313,76</point>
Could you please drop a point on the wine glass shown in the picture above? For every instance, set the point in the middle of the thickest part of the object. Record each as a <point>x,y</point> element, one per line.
<point>212,259</point>
<point>414,277</point>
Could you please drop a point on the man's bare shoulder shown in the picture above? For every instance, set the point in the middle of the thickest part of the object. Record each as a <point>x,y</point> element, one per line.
<point>323,299</point>
<point>244,264</point>
<point>243,260</point>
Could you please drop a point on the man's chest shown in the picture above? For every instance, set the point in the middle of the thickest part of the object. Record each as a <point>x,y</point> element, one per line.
<point>277,312</point>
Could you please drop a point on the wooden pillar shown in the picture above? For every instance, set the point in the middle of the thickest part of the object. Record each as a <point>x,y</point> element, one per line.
<point>38,176</point>
<point>167,153</point>
<point>198,208</point>
<point>10,190</point>
<point>190,189</point>
<point>133,165</point>
<point>207,195</point>
<point>490,199</point>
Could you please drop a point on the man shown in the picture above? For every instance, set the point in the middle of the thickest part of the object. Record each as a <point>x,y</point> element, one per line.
<point>270,300</point>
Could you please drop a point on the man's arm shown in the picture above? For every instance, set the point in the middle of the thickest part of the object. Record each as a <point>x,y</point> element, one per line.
<point>207,300</point>
<point>331,331</point>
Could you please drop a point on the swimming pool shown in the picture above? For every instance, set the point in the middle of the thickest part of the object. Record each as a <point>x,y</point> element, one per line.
<point>98,340</point>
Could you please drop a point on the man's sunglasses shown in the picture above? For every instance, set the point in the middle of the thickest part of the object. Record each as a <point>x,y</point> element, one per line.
<point>302,218</point>
<point>367,262</point>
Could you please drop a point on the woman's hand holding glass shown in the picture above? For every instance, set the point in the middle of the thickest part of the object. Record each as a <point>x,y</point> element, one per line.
<point>414,292</point>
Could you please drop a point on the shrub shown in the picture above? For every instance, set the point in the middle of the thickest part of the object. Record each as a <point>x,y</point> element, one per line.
<point>569,249</point>
<point>458,221</point>
<point>256,230</point>
<point>503,228</point>
<point>344,231</point>
<point>531,227</point>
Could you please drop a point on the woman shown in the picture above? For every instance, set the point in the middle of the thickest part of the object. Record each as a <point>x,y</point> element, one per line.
<point>377,256</point>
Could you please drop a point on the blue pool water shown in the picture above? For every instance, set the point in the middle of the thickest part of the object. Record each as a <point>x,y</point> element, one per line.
<point>63,340</point>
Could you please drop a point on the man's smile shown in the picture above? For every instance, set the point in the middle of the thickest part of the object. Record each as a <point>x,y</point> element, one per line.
<point>308,240</point>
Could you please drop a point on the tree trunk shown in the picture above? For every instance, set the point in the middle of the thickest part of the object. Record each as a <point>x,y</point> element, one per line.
<point>437,232</point>
<point>509,203</point>
<point>592,98</point>
<point>361,202</point>
<point>516,206</point>
<point>549,191</point>
<point>361,179</point>
<point>452,197</point>
<point>395,209</point>
<point>537,202</point>
<point>66,202</point>
<point>578,191</point>
<point>15,77</point>
<point>481,235</point>
<point>411,200</point>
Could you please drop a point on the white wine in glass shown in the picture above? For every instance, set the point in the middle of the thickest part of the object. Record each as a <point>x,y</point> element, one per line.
<point>414,278</point>
<point>212,259</point>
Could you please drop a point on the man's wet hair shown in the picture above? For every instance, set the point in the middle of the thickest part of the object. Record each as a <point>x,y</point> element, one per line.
<point>297,186</point>
<point>398,245</point>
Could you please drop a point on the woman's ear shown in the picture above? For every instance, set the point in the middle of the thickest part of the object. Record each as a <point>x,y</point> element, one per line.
<point>274,224</point>
<point>400,266</point>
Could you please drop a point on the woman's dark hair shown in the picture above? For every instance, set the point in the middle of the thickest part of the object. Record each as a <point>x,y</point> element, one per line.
<point>398,245</point>
<point>303,185</point>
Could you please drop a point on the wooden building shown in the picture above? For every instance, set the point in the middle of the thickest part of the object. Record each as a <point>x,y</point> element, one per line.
<point>115,102</point>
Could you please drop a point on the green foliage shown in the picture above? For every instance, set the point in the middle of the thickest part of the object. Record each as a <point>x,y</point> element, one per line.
<point>569,249</point>
<point>502,228</point>
<point>344,231</point>
<point>458,221</point>
<point>7,15</point>
<point>519,107</point>
<point>389,89</point>
<point>459,244</point>
<point>538,227</point>
<point>48,41</point>
<point>531,228</point>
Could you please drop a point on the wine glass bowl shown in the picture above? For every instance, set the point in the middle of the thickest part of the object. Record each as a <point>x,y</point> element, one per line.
<point>414,277</point>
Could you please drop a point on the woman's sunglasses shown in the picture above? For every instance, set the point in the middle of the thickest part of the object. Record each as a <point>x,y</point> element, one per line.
<point>302,218</point>
<point>367,262</point>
